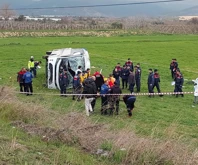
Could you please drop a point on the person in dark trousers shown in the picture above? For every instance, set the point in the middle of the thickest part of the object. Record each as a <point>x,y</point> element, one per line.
<point>129,100</point>
<point>173,67</point>
<point>28,82</point>
<point>129,63</point>
<point>36,65</point>
<point>114,99</point>
<point>116,75</point>
<point>20,80</point>
<point>99,80</point>
<point>91,81</point>
<point>104,98</point>
<point>138,72</point>
<point>157,81</point>
<point>124,75</point>
<point>179,80</point>
<point>77,86</point>
<point>150,82</point>
<point>131,81</point>
<point>63,80</point>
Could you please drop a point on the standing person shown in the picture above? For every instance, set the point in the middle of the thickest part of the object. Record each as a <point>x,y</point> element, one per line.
<point>77,86</point>
<point>111,80</point>
<point>99,80</point>
<point>89,90</point>
<point>124,75</point>
<point>104,98</point>
<point>21,80</point>
<point>36,66</point>
<point>129,63</point>
<point>138,73</point>
<point>63,79</point>
<point>87,73</point>
<point>156,81</point>
<point>173,67</point>
<point>150,82</point>
<point>116,75</point>
<point>179,80</point>
<point>114,99</point>
<point>31,65</point>
<point>28,82</point>
<point>118,67</point>
<point>91,81</point>
<point>129,100</point>
<point>131,81</point>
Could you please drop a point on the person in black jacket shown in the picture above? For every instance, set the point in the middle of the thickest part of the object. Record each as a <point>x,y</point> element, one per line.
<point>129,100</point>
<point>116,75</point>
<point>36,66</point>
<point>88,89</point>
<point>179,80</point>
<point>63,80</point>
<point>91,81</point>
<point>131,81</point>
<point>173,67</point>
<point>99,80</point>
<point>157,81</point>
<point>124,75</point>
<point>114,99</point>
<point>138,73</point>
<point>150,82</point>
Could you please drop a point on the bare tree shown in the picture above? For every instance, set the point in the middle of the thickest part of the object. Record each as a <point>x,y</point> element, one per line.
<point>6,12</point>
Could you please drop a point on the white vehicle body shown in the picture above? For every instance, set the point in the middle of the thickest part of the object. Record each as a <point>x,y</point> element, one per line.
<point>65,58</point>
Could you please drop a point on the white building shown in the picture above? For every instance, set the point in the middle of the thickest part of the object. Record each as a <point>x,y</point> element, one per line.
<point>187,18</point>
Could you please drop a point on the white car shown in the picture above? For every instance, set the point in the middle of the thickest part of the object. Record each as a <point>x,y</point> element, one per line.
<point>64,58</point>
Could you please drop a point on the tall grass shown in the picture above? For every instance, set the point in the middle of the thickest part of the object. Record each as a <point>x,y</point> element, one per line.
<point>75,129</point>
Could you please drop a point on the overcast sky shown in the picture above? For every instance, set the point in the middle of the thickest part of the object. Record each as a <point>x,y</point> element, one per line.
<point>184,3</point>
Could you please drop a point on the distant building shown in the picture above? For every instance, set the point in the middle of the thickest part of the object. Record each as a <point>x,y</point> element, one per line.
<point>187,18</point>
<point>41,18</point>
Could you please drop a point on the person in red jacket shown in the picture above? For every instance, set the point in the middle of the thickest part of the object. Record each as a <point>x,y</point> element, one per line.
<point>111,80</point>
<point>21,80</point>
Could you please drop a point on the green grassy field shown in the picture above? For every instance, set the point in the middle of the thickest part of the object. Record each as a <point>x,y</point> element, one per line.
<point>159,118</point>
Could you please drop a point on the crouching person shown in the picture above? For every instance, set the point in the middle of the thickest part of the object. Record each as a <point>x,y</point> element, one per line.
<point>115,98</point>
<point>90,91</point>
<point>129,100</point>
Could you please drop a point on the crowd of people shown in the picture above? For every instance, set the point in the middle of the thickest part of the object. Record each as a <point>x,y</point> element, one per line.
<point>109,89</point>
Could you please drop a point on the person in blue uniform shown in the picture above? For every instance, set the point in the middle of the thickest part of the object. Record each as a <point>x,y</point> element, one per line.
<point>63,80</point>
<point>150,82</point>
<point>129,100</point>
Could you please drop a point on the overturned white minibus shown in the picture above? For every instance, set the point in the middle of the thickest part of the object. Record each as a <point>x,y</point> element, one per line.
<point>65,58</point>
